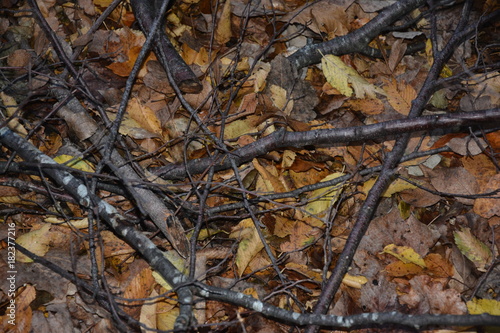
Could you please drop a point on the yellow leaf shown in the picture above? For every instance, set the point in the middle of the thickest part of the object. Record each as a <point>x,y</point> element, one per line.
<point>35,241</point>
<point>354,281</point>
<point>471,247</point>
<point>479,306</point>
<point>166,319</point>
<point>405,253</point>
<point>395,187</point>
<point>223,31</point>
<point>75,163</point>
<point>259,76</point>
<point>323,198</point>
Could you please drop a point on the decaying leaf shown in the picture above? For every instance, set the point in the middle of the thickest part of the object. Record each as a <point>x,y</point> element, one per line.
<point>144,116</point>
<point>223,31</point>
<point>250,244</point>
<point>471,247</point>
<point>343,77</point>
<point>488,207</point>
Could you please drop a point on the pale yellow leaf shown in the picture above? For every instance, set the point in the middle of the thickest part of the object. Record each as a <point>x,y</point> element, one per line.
<point>166,319</point>
<point>336,73</point>
<point>149,311</point>
<point>354,281</point>
<point>78,224</point>
<point>250,244</point>
<point>36,241</point>
<point>10,105</point>
<point>288,159</point>
<point>237,128</point>
<point>269,175</point>
<point>177,261</point>
<point>339,75</point>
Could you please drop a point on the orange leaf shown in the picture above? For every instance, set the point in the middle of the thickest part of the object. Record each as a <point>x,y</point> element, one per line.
<point>400,96</point>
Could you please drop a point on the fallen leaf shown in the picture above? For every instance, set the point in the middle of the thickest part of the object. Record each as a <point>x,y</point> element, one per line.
<point>249,243</point>
<point>405,253</point>
<point>75,163</point>
<point>354,281</point>
<point>400,96</point>
<point>479,306</point>
<point>144,116</point>
<point>396,186</point>
<point>223,31</point>
<point>400,269</point>
<point>471,247</point>
<point>280,99</point>
<point>488,207</point>
<point>339,75</point>
<point>36,241</point>
<point>454,181</point>
<point>322,199</point>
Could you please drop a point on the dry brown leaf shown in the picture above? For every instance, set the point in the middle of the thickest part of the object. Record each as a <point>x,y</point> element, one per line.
<point>144,116</point>
<point>269,178</point>
<point>481,167</point>
<point>466,146</point>
<point>455,181</point>
<point>419,198</point>
<point>437,266</point>
<point>223,31</point>
<point>429,295</point>
<point>398,50</point>
<point>327,16</point>
<point>367,106</point>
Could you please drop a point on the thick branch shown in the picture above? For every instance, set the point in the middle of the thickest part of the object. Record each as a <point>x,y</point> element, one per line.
<point>77,189</point>
<point>356,41</point>
<point>145,12</point>
<point>282,139</point>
